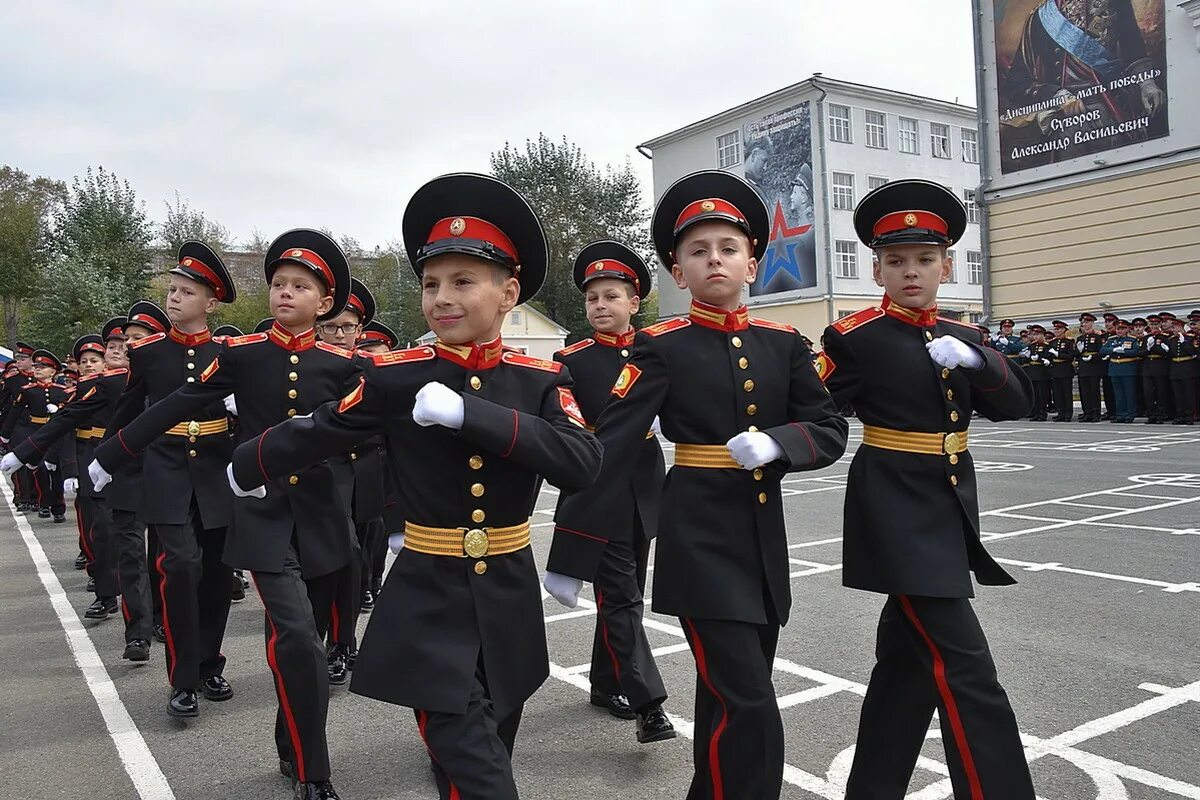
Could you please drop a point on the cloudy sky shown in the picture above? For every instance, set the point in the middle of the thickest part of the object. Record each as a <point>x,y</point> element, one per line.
<point>276,115</point>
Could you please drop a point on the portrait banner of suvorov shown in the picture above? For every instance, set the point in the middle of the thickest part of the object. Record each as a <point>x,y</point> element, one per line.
<point>778,164</point>
<point>1077,77</point>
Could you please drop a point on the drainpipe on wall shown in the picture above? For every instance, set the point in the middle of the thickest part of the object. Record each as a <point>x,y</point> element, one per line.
<point>985,150</point>
<point>828,243</point>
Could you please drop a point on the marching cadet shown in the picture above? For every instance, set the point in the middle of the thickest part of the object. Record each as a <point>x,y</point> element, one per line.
<point>299,532</point>
<point>239,584</point>
<point>35,403</point>
<point>912,529</point>
<point>1091,367</point>
<point>1124,352</point>
<point>1181,350</point>
<point>471,429</point>
<point>1037,368</point>
<point>1110,398</point>
<point>625,680</point>
<point>1156,381</point>
<point>23,479</point>
<point>740,398</point>
<point>375,339</point>
<point>1062,371</point>
<point>185,500</point>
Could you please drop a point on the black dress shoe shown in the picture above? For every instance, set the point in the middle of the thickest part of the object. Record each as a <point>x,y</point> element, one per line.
<point>80,560</point>
<point>316,790</point>
<point>351,657</point>
<point>285,769</point>
<point>338,672</point>
<point>368,602</point>
<point>44,513</point>
<point>91,585</point>
<point>60,517</point>
<point>653,726</point>
<point>216,689</point>
<point>237,592</point>
<point>615,704</point>
<point>160,634</point>
<point>101,608</point>
<point>183,703</point>
<point>137,650</point>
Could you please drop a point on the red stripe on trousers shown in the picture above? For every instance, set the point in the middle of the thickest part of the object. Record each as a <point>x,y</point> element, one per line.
<point>422,720</point>
<point>714,759</point>
<point>83,539</point>
<point>166,620</point>
<point>37,486</point>
<point>289,717</point>
<point>333,621</point>
<point>939,676</point>
<point>604,633</point>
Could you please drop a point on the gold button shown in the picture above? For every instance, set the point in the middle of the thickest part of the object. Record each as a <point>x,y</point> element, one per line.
<point>480,567</point>
<point>292,393</point>
<point>624,353</point>
<point>753,429</point>
<point>743,362</point>
<point>954,480</point>
<point>945,373</point>
<point>954,458</point>
<point>949,394</point>
<point>478,516</point>
<point>293,377</point>
<point>291,412</point>
<point>928,336</point>
<point>758,474</point>
<point>477,490</point>
<point>192,453</point>
<point>736,341</point>
<point>191,352</point>
<point>191,365</point>
<point>191,379</point>
<point>295,359</point>
<point>475,382</point>
<point>762,498</point>
<point>748,386</point>
<point>752,409</point>
<point>475,462</point>
<point>354,456</point>
<point>954,416</point>
<point>293,480</point>
<point>192,439</point>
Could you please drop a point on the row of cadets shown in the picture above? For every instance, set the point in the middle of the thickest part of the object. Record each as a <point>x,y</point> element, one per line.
<point>471,429</point>
<point>17,373</point>
<point>295,538</point>
<point>911,526</point>
<point>741,400</point>
<point>32,407</point>
<point>624,677</point>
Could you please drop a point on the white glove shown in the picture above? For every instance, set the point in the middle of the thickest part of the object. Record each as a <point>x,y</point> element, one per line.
<point>438,404</point>
<point>50,467</point>
<point>752,449</point>
<point>1053,353</point>
<point>10,464</point>
<point>1025,352</point>
<point>259,492</point>
<point>70,487</point>
<point>231,405</point>
<point>1079,345</point>
<point>52,408</point>
<point>656,425</point>
<point>99,475</point>
<point>563,589</point>
<point>1149,341</point>
<point>1002,340</point>
<point>948,352</point>
<point>395,542</point>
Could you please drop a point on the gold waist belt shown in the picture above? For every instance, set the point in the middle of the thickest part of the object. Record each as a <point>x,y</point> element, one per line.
<point>466,542</point>
<point>194,428</point>
<point>39,420</point>
<point>704,456</point>
<point>931,444</point>
<point>98,433</point>
<point>1184,358</point>
<point>1122,360</point>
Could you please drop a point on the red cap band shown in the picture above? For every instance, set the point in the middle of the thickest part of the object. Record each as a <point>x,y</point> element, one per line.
<point>148,321</point>
<point>91,347</point>
<point>356,303</point>
<point>308,257</point>
<point>196,265</point>
<point>612,266</point>
<point>473,228</point>
<point>374,336</point>
<point>711,205</point>
<point>46,361</point>
<point>903,220</point>
<point>25,351</point>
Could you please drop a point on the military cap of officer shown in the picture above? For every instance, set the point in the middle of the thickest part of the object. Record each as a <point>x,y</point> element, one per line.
<point>24,349</point>
<point>320,255</point>
<point>1194,315</point>
<point>375,332</point>
<point>88,343</point>
<point>264,325</point>
<point>910,211</point>
<point>44,358</point>
<point>1087,316</point>
<point>113,329</point>
<point>227,330</point>
<point>1058,323</point>
<point>707,196</point>
<point>361,301</point>
<point>149,316</point>
<point>1163,315</point>
<point>1139,320</point>
<point>609,259</point>
<point>477,215</point>
<point>1153,318</point>
<point>1007,322</point>
<point>1035,328</point>
<point>200,263</point>
<point>1110,317</point>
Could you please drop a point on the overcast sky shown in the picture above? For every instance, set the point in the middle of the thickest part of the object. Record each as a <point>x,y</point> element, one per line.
<point>277,115</point>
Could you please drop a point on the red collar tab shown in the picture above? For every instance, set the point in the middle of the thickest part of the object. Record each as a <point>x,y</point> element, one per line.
<point>718,318</point>
<point>190,339</point>
<point>904,220</point>
<point>710,206</point>
<point>613,266</point>
<point>623,340</point>
<point>310,259</point>
<point>292,341</point>
<point>472,356</point>
<point>467,229</point>
<point>355,303</point>
<point>148,322</point>
<point>923,319</point>
<point>210,275</point>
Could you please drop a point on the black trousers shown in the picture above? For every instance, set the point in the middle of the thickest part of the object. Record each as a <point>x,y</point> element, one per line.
<point>296,656</point>
<point>1157,391</point>
<point>931,653</point>
<point>193,584</point>
<point>335,600</point>
<point>1041,397</point>
<point>103,568</point>
<point>28,487</point>
<point>472,752</point>
<point>1184,390</point>
<point>1089,396</point>
<point>1110,397</point>
<point>372,547</point>
<point>128,534</point>
<point>738,745</point>
<point>153,551</point>
<point>41,487</point>
<point>1064,403</point>
<point>57,501</point>
<point>85,534</point>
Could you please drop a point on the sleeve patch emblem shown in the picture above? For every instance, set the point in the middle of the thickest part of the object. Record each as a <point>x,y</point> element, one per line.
<point>625,381</point>
<point>210,370</point>
<point>354,398</point>
<point>824,366</point>
<point>570,407</point>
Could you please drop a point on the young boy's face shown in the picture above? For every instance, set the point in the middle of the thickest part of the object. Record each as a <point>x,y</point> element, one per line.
<point>465,298</point>
<point>135,332</point>
<point>189,300</point>
<point>115,354</point>
<point>911,273</point>
<point>24,363</point>
<point>43,374</point>
<point>610,304</point>
<point>713,261</point>
<point>298,297</point>
<point>342,330</point>
<point>91,363</point>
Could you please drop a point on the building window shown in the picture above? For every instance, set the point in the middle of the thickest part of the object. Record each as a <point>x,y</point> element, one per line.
<point>970,146</point>
<point>972,206</point>
<point>908,136</point>
<point>974,267</point>
<point>939,140</point>
<point>516,318</point>
<point>843,190</point>
<point>953,267</point>
<point>845,253</point>
<point>729,150</point>
<point>877,129</point>
<point>839,123</point>
<point>874,182</point>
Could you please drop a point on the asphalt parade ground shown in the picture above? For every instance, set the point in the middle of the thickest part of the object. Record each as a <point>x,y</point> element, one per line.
<point>1098,647</point>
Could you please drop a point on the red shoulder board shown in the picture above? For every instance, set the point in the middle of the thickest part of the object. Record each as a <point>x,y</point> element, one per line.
<point>92,377</point>
<point>667,327</point>
<point>575,348</point>
<point>401,356</point>
<point>858,319</point>
<point>117,371</point>
<point>145,340</point>
<point>333,348</point>
<point>772,324</point>
<point>824,366</point>
<point>91,391</point>
<point>522,360</point>
<point>249,338</point>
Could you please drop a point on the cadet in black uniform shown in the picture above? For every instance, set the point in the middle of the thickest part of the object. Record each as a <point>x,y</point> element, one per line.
<point>375,339</point>
<point>35,403</point>
<point>1181,352</point>
<point>471,430</point>
<point>1062,371</point>
<point>16,376</point>
<point>1037,368</point>
<point>911,511</point>
<point>1090,366</point>
<point>1156,381</point>
<point>625,680</point>
<point>740,398</point>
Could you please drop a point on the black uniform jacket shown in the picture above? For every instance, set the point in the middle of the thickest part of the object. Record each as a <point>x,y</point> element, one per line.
<point>911,522</point>
<point>1089,362</point>
<point>272,376</point>
<point>1062,357</point>
<point>174,468</point>
<point>722,545</point>
<point>595,364</point>
<point>1181,354</point>
<point>438,616</point>
<point>34,404</point>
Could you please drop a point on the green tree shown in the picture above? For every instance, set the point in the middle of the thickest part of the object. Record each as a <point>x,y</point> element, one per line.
<point>184,223</point>
<point>26,210</point>
<point>578,203</point>
<point>397,292</point>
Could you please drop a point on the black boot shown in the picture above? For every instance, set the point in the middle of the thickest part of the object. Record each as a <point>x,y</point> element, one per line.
<point>160,634</point>
<point>216,689</point>
<point>183,703</point>
<point>101,608</point>
<point>615,704</point>
<point>237,592</point>
<point>80,560</point>
<point>338,671</point>
<point>316,790</point>
<point>137,650</point>
<point>653,726</point>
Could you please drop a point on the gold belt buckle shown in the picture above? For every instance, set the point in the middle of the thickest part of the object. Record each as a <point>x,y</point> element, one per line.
<point>475,543</point>
<point>951,444</point>
<point>193,428</point>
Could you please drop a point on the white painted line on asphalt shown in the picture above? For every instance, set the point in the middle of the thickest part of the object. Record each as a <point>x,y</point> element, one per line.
<point>148,778</point>
<point>1090,505</point>
<point>1053,566</point>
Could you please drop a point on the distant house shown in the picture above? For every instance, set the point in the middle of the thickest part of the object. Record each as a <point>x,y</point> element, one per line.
<point>527,329</point>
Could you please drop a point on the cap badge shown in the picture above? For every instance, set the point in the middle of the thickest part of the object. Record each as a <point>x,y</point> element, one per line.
<point>296,253</point>
<point>708,205</point>
<point>910,220</point>
<point>187,262</point>
<point>457,226</point>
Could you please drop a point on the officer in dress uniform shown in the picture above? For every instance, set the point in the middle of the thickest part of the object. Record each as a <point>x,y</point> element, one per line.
<point>471,429</point>
<point>911,511</point>
<point>625,680</point>
<point>1091,366</point>
<point>1110,398</point>
<point>1182,349</point>
<point>1062,371</point>
<point>1124,352</point>
<point>1037,367</point>
<point>1138,331</point>
<point>1156,383</point>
